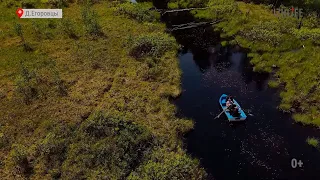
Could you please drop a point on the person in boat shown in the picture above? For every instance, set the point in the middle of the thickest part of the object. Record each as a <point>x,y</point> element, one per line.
<point>229,101</point>
<point>233,109</point>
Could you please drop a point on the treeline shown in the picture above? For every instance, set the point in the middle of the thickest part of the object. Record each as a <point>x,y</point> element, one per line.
<point>87,96</point>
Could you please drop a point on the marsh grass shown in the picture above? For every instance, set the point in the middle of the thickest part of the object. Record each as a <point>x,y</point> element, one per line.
<point>97,112</point>
<point>314,142</point>
<point>153,45</point>
<point>176,4</point>
<point>68,28</point>
<point>26,83</point>
<point>90,21</point>
<point>140,12</point>
<point>19,32</point>
<point>273,84</point>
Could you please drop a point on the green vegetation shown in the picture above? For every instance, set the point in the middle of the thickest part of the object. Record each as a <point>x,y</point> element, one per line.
<point>139,12</point>
<point>160,167</point>
<point>90,99</point>
<point>277,45</point>
<point>152,45</point>
<point>90,22</point>
<point>176,4</point>
<point>313,142</point>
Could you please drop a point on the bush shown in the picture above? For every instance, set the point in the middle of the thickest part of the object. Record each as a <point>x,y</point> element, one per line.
<point>17,162</point>
<point>29,4</point>
<point>10,3</point>
<point>266,32</point>
<point>106,143</point>
<point>58,3</point>
<point>169,165</point>
<point>153,45</point>
<point>176,4</point>
<point>273,84</point>
<point>308,34</point>
<point>139,12</point>
<point>313,142</point>
<point>91,22</point>
<point>49,152</point>
<point>68,27</point>
<point>38,29</point>
<point>19,32</point>
<point>26,84</point>
<point>59,84</point>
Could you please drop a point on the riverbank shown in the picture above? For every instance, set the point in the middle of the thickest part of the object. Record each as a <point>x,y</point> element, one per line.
<point>87,96</point>
<point>278,46</point>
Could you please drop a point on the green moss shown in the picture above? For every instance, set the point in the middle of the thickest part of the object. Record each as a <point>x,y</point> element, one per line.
<point>313,142</point>
<point>160,163</point>
<point>273,84</point>
<point>172,5</point>
<point>153,45</point>
<point>176,4</point>
<point>224,43</point>
<point>139,11</point>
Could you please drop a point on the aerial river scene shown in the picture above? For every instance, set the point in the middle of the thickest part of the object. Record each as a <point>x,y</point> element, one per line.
<point>160,89</point>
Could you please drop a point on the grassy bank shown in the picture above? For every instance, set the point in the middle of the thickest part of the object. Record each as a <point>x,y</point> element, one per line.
<point>86,96</point>
<point>279,46</point>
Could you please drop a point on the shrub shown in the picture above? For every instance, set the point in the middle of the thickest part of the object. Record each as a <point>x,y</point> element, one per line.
<point>140,12</point>
<point>49,152</point>
<point>19,32</point>
<point>26,84</point>
<point>169,165</point>
<point>17,162</point>
<point>29,4</point>
<point>266,32</point>
<point>308,34</point>
<point>52,24</point>
<point>106,143</point>
<point>273,84</point>
<point>38,29</point>
<point>10,3</point>
<point>68,27</point>
<point>59,84</point>
<point>91,22</point>
<point>153,45</point>
<point>58,3</point>
<point>313,142</point>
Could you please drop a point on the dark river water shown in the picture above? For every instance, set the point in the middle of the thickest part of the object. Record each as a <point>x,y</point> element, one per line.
<point>260,148</point>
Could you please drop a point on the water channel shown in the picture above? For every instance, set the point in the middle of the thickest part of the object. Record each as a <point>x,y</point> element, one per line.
<point>260,148</point>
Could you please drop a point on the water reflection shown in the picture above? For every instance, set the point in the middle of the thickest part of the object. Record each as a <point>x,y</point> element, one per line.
<point>229,60</point>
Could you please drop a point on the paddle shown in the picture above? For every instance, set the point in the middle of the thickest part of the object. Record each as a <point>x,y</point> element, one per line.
<point>221,113</point>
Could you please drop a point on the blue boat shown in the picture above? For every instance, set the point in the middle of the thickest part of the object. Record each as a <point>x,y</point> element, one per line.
<point>240,117</point>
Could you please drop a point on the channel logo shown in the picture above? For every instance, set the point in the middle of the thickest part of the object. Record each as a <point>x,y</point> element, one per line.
<point>289,12</point>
